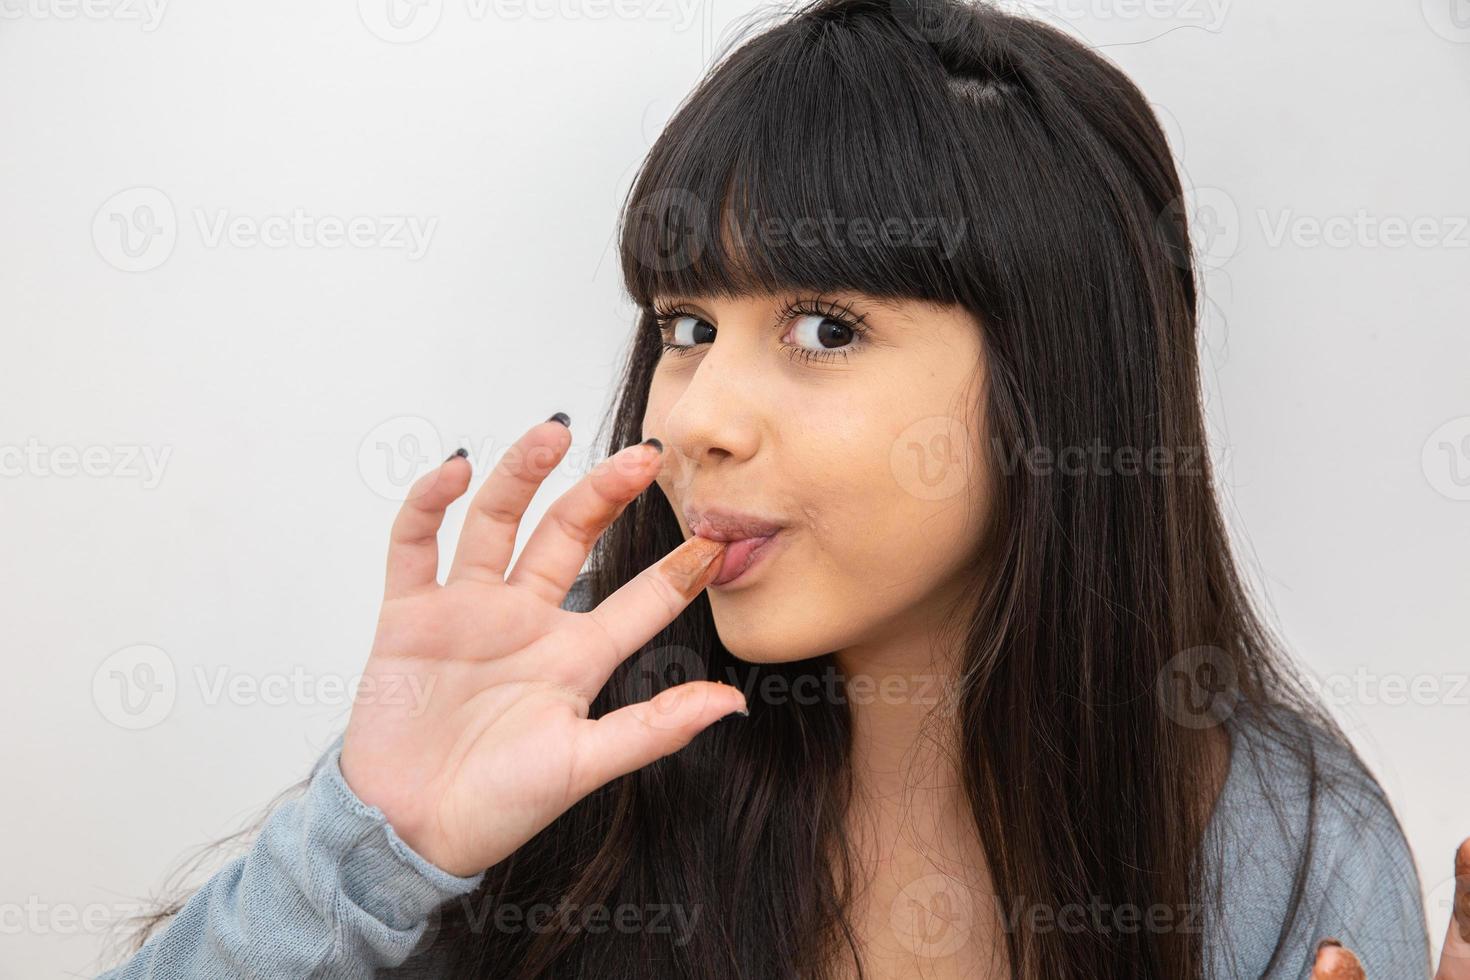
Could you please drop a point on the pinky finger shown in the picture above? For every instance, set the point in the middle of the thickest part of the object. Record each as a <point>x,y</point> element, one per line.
<point>633,736</point>
<point>413,544</point>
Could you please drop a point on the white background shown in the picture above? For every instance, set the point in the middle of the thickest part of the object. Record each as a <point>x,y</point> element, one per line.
<point>289,390</point>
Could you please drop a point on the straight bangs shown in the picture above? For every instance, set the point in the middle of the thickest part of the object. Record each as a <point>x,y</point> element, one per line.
<point>797,165</point>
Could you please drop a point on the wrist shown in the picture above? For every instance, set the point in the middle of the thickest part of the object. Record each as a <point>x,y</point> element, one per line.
<point>410,838</point>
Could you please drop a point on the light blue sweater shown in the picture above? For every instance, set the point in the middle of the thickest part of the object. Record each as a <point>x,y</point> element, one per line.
<point>328,890</point>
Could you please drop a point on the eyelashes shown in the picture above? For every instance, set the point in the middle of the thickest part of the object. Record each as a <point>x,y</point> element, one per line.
<point>666,316</point>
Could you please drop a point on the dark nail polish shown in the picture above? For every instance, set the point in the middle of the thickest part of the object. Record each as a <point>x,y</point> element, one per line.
<point>458,452</point>
<point>563,418</point>
<point>651,441</point>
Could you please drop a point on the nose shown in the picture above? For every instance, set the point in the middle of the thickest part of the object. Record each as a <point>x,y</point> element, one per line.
<point>719,415</point>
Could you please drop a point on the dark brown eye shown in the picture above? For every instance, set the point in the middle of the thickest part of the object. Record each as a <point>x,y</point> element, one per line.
<point>814,331</point>
<point>685,331</point>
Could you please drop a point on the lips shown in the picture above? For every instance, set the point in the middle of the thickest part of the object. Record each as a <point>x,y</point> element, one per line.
<point>740,556</point>
<point>749,536</point>
<point>729,525</point>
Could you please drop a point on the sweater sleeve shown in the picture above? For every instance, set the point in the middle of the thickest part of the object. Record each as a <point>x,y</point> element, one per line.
<point>1275,821</point>
<point>326,890</point>
<point>1367,895</point>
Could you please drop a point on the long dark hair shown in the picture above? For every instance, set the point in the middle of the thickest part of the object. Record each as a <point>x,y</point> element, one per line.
<point>1095,588</point>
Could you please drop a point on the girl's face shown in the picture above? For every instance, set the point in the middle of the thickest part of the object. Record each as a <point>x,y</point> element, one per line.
<point>847,420</point>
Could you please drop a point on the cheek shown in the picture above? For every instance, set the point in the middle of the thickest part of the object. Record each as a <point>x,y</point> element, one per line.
<point>660,396</point>
<point>889,490</point>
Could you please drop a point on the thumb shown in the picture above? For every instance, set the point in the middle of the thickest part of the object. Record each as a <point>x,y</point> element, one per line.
<point>631,737</point>
<point>1336,962</point>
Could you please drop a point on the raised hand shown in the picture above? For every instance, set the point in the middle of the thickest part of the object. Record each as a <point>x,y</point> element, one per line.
<point>487,739</point>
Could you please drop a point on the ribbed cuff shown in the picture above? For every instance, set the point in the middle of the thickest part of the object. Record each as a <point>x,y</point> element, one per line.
<point>380,874</point>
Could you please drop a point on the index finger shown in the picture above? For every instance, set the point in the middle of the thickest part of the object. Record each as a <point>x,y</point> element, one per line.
<point>556,550</point>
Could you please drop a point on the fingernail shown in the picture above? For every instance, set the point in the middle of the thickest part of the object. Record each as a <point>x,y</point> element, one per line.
<point>563,418</point>
<point>458,452</point>
<point>689,567</point>
<point>651,441</point>
<point>1323,944</point>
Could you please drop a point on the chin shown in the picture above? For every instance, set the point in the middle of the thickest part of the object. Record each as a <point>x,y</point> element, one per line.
<point>754,646</point>
<point>756,637</point>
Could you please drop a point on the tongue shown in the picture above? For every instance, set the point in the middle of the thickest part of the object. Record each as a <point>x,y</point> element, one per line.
<point>737,553</point>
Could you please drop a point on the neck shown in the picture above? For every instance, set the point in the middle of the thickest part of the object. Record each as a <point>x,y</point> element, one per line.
<point>900,684</point>
<point>923,901</point>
